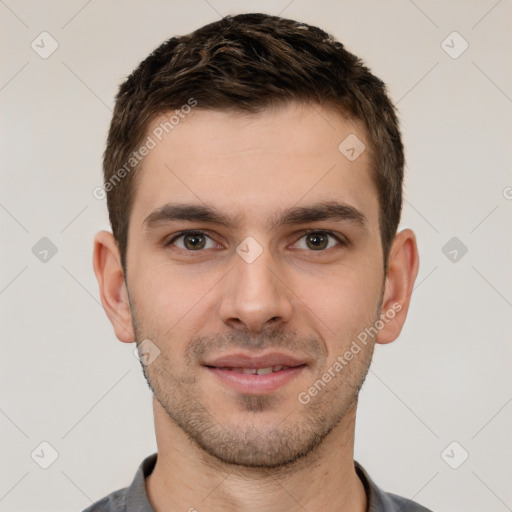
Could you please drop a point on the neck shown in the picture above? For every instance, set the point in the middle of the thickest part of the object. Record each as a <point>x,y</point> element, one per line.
<point>187,478</point>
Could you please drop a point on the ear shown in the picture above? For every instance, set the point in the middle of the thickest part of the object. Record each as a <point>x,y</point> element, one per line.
<point>114,296</point>
<point>402,270</point>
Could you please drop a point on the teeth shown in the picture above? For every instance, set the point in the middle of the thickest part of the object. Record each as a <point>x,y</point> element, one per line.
<point>264,371</point>
<point>259,371</point>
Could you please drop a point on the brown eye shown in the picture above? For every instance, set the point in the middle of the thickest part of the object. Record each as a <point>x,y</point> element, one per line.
<point>192,241</point>
<point>317,241</point>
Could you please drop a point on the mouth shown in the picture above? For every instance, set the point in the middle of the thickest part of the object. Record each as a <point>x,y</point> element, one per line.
<point>256,371</point>
<point>255,375</point>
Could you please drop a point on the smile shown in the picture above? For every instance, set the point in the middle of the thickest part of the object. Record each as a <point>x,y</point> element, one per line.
<point>257,371</point>
<point>254,381</point>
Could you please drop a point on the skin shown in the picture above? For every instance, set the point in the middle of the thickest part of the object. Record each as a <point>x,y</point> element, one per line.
<point>218,449</point>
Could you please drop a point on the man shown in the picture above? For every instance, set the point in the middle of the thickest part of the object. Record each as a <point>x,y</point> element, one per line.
<point>253,174</point>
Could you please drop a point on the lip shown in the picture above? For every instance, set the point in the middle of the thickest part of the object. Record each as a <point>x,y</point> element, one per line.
<point>240,360</point>
<point>256,384</point>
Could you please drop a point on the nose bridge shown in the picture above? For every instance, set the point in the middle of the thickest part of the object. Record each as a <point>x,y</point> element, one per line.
<point>255,295</point>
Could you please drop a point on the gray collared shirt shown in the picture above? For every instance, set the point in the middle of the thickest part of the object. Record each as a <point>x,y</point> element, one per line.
<point>135,499</point>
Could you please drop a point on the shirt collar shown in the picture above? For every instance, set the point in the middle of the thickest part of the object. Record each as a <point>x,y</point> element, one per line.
<point>137,498</point>
<point>136,495</point>
<point>376,499</point>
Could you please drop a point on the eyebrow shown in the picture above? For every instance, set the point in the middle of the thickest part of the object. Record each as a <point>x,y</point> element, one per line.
<point>323,211</point>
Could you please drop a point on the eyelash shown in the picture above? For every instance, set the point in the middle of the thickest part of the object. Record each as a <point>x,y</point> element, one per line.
<point>341,240</point>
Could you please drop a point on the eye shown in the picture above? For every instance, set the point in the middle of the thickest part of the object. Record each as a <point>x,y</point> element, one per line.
<point>192,241</point>
<point>195,241</point>
<point>319,240</point>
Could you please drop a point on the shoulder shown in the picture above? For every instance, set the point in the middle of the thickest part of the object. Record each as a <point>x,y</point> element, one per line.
<point>133,497</point>
<point>382,501</point>
<point>401,504</point>
<point>114,502</point>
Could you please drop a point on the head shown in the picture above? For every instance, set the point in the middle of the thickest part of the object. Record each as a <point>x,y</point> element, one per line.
<point>239,132</point>
<point>249,63</point>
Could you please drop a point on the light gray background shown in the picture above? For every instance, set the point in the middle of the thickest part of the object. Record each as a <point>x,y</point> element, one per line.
<point>66,380</point>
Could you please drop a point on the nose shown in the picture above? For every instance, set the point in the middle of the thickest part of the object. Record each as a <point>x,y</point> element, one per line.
<point>255,295</point>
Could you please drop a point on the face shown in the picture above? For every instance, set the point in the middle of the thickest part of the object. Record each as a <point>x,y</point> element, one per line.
<point>254,242</point>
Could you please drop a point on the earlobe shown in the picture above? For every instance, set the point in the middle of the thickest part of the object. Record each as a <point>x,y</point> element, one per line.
<point>403,264</point>
<point>113,293</point>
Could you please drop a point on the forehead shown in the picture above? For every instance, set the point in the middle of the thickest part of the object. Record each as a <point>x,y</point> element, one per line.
<point>253,165</point>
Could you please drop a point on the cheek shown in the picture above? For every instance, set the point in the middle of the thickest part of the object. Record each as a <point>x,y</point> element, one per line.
<point>169,296</point>
<point>345,301</point>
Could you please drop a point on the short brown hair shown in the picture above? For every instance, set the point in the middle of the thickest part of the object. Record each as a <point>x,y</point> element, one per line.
<point>247,63</point>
